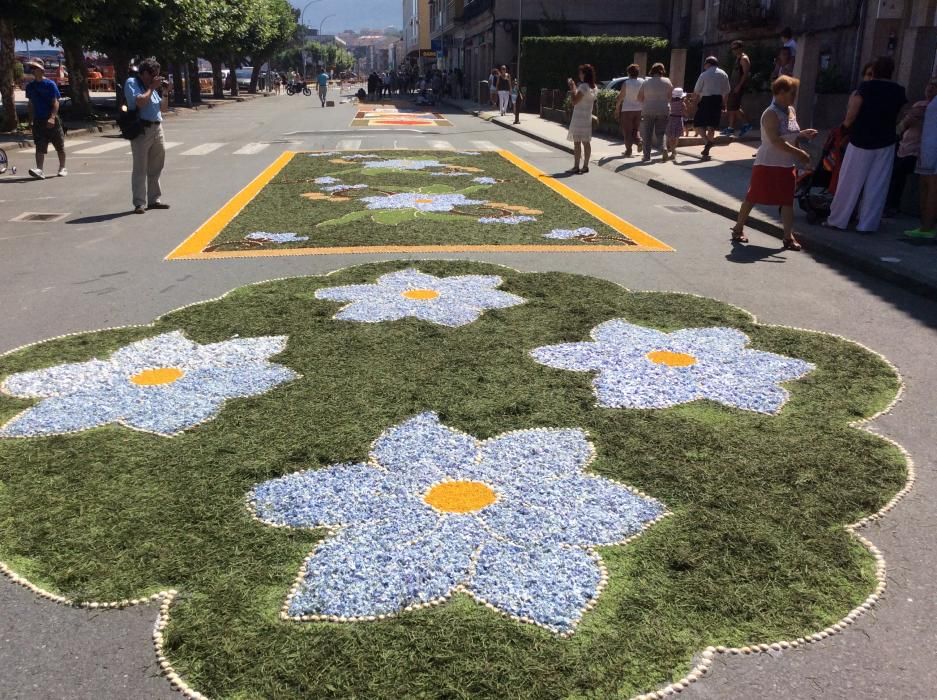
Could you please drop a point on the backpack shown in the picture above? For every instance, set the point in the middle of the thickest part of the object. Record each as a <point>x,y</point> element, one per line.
<point>128,121</point>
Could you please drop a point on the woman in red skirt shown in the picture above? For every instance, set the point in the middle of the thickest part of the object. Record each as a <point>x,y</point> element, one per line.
<point>773,179</point>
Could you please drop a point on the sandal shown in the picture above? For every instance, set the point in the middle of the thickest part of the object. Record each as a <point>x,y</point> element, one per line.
<point>792,244</point>
<point>574,171</point>
<point>584,170</point>
<point>738,234</point>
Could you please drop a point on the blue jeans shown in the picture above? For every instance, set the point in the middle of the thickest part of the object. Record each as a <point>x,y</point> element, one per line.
<point>653,125</point>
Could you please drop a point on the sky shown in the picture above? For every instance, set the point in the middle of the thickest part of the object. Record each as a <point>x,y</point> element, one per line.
<point>349,14</point>
<point>352,14</point>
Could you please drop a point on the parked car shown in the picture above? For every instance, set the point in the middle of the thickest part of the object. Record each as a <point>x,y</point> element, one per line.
<point>613,84</point>
<point>244,77</point>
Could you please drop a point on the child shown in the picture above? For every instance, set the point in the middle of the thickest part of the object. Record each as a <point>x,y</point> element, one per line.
<point>675,123</point>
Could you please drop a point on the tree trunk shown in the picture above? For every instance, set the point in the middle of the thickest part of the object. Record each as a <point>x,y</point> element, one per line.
<point>255,75</point>
<point>121,60</point>
<point>8,118</point>
<point>178,84</point>
<point>217,80</point>
<point>234,78</point>
<point>196,83</point>
<point>81,107</point>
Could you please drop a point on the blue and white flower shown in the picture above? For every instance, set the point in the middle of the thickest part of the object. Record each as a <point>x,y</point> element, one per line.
<point>510,220</point>
<point>326,180</point>
<point>163,385</point>
<point>322,154</point>
<point>641,367</point>
<point>420,201</point>
<point>485,180</point>
<point>571,234</point>
<point>276,237</point>
<point>446,301</point>
<point>451,174</point>
<point>512,521</point>
<point>361,156</point>
<point>469,153</point>
<point>403,164</point>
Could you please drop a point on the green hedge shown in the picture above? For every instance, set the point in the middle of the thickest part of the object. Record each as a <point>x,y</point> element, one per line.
<point>548,61</point>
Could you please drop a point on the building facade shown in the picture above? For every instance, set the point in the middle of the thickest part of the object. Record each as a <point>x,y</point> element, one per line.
<point>838,36</point>
<point>416,30</point>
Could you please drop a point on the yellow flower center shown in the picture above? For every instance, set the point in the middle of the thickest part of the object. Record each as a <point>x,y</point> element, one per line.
<point>460,496</point>
<point>671,359</point>
<point>420,294</point>
<point>423,201</point>
<point>155,377</point>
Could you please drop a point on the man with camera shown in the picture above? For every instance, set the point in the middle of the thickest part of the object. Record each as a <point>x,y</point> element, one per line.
<point>147,94</point>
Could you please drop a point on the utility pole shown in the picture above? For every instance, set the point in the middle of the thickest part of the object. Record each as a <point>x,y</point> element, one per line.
<point>520,32</point>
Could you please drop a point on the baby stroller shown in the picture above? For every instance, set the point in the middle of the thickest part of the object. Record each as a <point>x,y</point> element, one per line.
<point>816,187</point>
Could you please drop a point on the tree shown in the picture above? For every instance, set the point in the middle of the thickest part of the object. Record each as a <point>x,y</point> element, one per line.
<point>274,31</point>
<point>17,19</point>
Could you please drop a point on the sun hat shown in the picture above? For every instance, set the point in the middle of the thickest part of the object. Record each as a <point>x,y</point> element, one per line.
<point>36,63</point>
<point>678,93</point>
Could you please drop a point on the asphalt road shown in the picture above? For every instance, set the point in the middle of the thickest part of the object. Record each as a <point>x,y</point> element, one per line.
<point>100,268</point>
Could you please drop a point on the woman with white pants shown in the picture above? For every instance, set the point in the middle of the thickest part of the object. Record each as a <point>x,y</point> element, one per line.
<point>866,171</point>
<point>504,90</point>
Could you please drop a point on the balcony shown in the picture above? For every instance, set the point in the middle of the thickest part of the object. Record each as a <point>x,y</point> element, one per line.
<point>473,8</point>
<point>740,14</point>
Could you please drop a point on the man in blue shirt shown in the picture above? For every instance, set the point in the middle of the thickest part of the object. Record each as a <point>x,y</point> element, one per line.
<point>323,81</point>
<point>43,96</point>
<point>144,95</point>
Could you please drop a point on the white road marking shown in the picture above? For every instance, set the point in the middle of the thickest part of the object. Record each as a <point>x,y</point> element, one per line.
<point>441,146</point>
<point>531,147</point>
<point>171,144</point>
<point>484,145</point>
<point>202,150</point>
<point>103,148</point>
<point>71,143</point>
<point>349,145</point>
<point>250,149</point>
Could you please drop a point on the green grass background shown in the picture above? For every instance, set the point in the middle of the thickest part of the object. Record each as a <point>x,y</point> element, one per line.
<point>755,550</point>
<point>280,208</point>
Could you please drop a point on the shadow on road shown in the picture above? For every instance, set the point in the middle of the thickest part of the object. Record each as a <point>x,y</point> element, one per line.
<point>754,253</point>
<point>99,218</point>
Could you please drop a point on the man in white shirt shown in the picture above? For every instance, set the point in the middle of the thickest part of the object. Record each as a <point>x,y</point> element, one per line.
<point>712,89</point>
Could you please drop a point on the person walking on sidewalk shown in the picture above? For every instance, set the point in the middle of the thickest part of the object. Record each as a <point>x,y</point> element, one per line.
<point>504,90</point>
<point>629,108</point>
<point>675,124</point>
<point>144,95</point>
<point>741,76</point>
<point>580,126</point>
<point>654,97</point>
<point>866,171</point>
<point>773,179</point>
<point>323,80</point>
<point>927,171</point>
<point>43,96</point>
<point>712,88</point>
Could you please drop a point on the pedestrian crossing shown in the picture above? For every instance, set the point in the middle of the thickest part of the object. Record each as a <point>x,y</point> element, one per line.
<point>203,149</point>
<point>110,147</point>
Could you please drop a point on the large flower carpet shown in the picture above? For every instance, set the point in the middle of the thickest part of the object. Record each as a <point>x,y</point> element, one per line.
<point>449,479</point>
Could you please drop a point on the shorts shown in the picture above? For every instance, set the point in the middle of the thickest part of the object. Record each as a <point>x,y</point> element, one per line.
<point>709,112</point>
<point>734,102</point>
<point>43,135</point>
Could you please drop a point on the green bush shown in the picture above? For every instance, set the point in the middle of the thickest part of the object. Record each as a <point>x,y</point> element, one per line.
<point>549,60</point>
<point>605,109</point>
<point>18,73</point>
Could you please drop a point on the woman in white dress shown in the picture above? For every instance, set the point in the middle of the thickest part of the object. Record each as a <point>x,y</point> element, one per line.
<point>580,126</point>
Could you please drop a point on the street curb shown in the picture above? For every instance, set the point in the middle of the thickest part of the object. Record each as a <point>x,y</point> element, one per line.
<point>872,267</point>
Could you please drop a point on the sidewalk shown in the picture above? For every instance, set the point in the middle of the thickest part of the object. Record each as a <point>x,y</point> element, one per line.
<point>719,186</point>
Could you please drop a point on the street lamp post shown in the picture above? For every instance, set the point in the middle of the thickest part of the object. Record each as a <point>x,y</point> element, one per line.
<point>323,22</point>
<point>303,14</point>
<point>520,25</point>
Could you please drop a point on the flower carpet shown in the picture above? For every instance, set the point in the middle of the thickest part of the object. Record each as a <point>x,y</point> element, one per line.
<point>450,479</point>
<point>390,115</point>
<point>400,201</point>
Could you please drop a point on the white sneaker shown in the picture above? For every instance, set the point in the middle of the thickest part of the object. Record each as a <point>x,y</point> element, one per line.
<point>37,173</point>
<point>63,172</point>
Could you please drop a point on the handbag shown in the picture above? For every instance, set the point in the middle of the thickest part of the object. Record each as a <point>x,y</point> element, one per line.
<point>128,121</point>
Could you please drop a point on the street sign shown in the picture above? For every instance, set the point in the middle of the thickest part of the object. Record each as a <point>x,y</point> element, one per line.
<point>427,53</point>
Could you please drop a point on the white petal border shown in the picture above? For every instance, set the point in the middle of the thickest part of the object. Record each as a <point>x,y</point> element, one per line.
<point>463,588</point>
<point>702,662</point>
